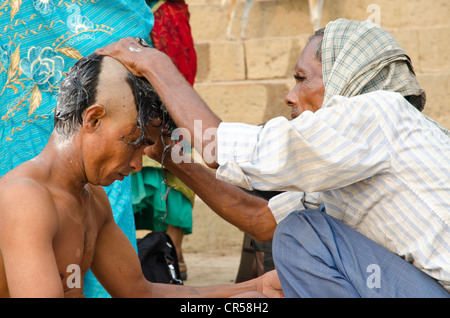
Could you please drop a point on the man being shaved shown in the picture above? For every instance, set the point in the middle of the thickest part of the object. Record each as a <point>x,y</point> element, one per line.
<point>55,218</point>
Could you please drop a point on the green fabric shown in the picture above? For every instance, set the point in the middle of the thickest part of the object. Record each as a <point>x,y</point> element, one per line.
<point>150,207</point>
<point>171,180</point>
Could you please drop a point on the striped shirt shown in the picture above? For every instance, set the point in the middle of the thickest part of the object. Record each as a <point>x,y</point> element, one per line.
<point>380,166</point>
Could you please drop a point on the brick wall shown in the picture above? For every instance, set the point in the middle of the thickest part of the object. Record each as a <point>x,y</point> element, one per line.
<point>246,79</point>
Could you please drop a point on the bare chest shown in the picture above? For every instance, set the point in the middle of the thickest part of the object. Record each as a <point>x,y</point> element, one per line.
<point>74,246</point>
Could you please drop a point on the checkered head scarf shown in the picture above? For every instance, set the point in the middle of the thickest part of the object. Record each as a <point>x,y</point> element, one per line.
<point>361,57</point>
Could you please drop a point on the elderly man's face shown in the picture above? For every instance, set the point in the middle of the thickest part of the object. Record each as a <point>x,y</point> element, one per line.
<point>308,92</point>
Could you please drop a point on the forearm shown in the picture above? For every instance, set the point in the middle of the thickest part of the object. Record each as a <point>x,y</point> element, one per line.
<point>246,211</point>
<point>267,285</point>
<point>218,291</point>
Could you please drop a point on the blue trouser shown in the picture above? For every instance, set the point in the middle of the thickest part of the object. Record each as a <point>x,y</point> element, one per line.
<point>318,256</point>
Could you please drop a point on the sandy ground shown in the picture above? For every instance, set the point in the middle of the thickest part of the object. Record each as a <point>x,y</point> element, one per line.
<point>205,269</point>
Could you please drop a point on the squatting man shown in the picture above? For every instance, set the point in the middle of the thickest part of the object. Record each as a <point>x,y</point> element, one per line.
<point>357,138</point>
<point>55,217</point>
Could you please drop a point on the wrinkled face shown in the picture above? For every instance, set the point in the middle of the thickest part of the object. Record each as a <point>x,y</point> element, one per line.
<point>308,92</point>
<point>109,129</point>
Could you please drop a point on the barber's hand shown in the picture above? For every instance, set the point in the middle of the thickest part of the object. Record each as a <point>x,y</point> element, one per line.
<point>133,53</point>
<point>269,285</point>
<point>170,152</point>
<point>156,150</point>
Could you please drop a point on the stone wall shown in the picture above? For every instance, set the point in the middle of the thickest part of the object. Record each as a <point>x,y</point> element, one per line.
<point>246,79</point>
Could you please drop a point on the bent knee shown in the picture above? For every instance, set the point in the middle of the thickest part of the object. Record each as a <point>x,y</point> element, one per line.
<point>294,229</point>
<point>295,221</point>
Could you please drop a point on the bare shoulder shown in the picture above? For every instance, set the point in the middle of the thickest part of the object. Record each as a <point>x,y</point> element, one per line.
<point>26,203</point>
<point>19,190</point>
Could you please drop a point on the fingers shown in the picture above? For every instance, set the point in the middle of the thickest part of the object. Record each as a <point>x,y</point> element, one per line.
<point>126,52</point>
<point>143,42</point>
<point>117,47</point>
<point>133,44</point>
<point>152,153</point>
<point>271,285</point>
<point>136,55</point>
<point>155,151</point>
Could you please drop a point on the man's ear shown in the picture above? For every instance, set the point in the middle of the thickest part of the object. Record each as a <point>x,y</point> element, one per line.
<point>93,116</point>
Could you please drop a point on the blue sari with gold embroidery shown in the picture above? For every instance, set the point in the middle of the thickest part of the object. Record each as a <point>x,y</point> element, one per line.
<point>40,40</point>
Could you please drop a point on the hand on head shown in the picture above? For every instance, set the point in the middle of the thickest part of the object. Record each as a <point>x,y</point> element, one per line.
<point>156,150</point>
<point>131,52</point>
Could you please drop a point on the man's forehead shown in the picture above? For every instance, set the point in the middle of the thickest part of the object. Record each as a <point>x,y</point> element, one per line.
<point>307,58</point>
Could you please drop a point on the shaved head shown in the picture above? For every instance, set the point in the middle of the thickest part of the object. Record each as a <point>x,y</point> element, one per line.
<point>100,80</point>
<point>113,91</point>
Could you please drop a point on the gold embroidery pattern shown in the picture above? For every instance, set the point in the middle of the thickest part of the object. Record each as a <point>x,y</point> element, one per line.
<point>40,69</point>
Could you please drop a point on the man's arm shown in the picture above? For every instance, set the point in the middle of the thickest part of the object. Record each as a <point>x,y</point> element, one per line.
<point>116,264</point>
<point>117,267</point>
<point>183,103</point>
<point>28,226</point>
<point>248,212</point>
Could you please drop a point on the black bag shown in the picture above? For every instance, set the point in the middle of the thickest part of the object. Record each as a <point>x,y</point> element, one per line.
<point>159,259</point>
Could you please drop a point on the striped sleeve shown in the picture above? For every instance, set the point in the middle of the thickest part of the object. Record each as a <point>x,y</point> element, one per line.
<point>338,145</point>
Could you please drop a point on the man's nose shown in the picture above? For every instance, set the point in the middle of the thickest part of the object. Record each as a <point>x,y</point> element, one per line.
<point>136,161</point>
<point>291,98</point>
